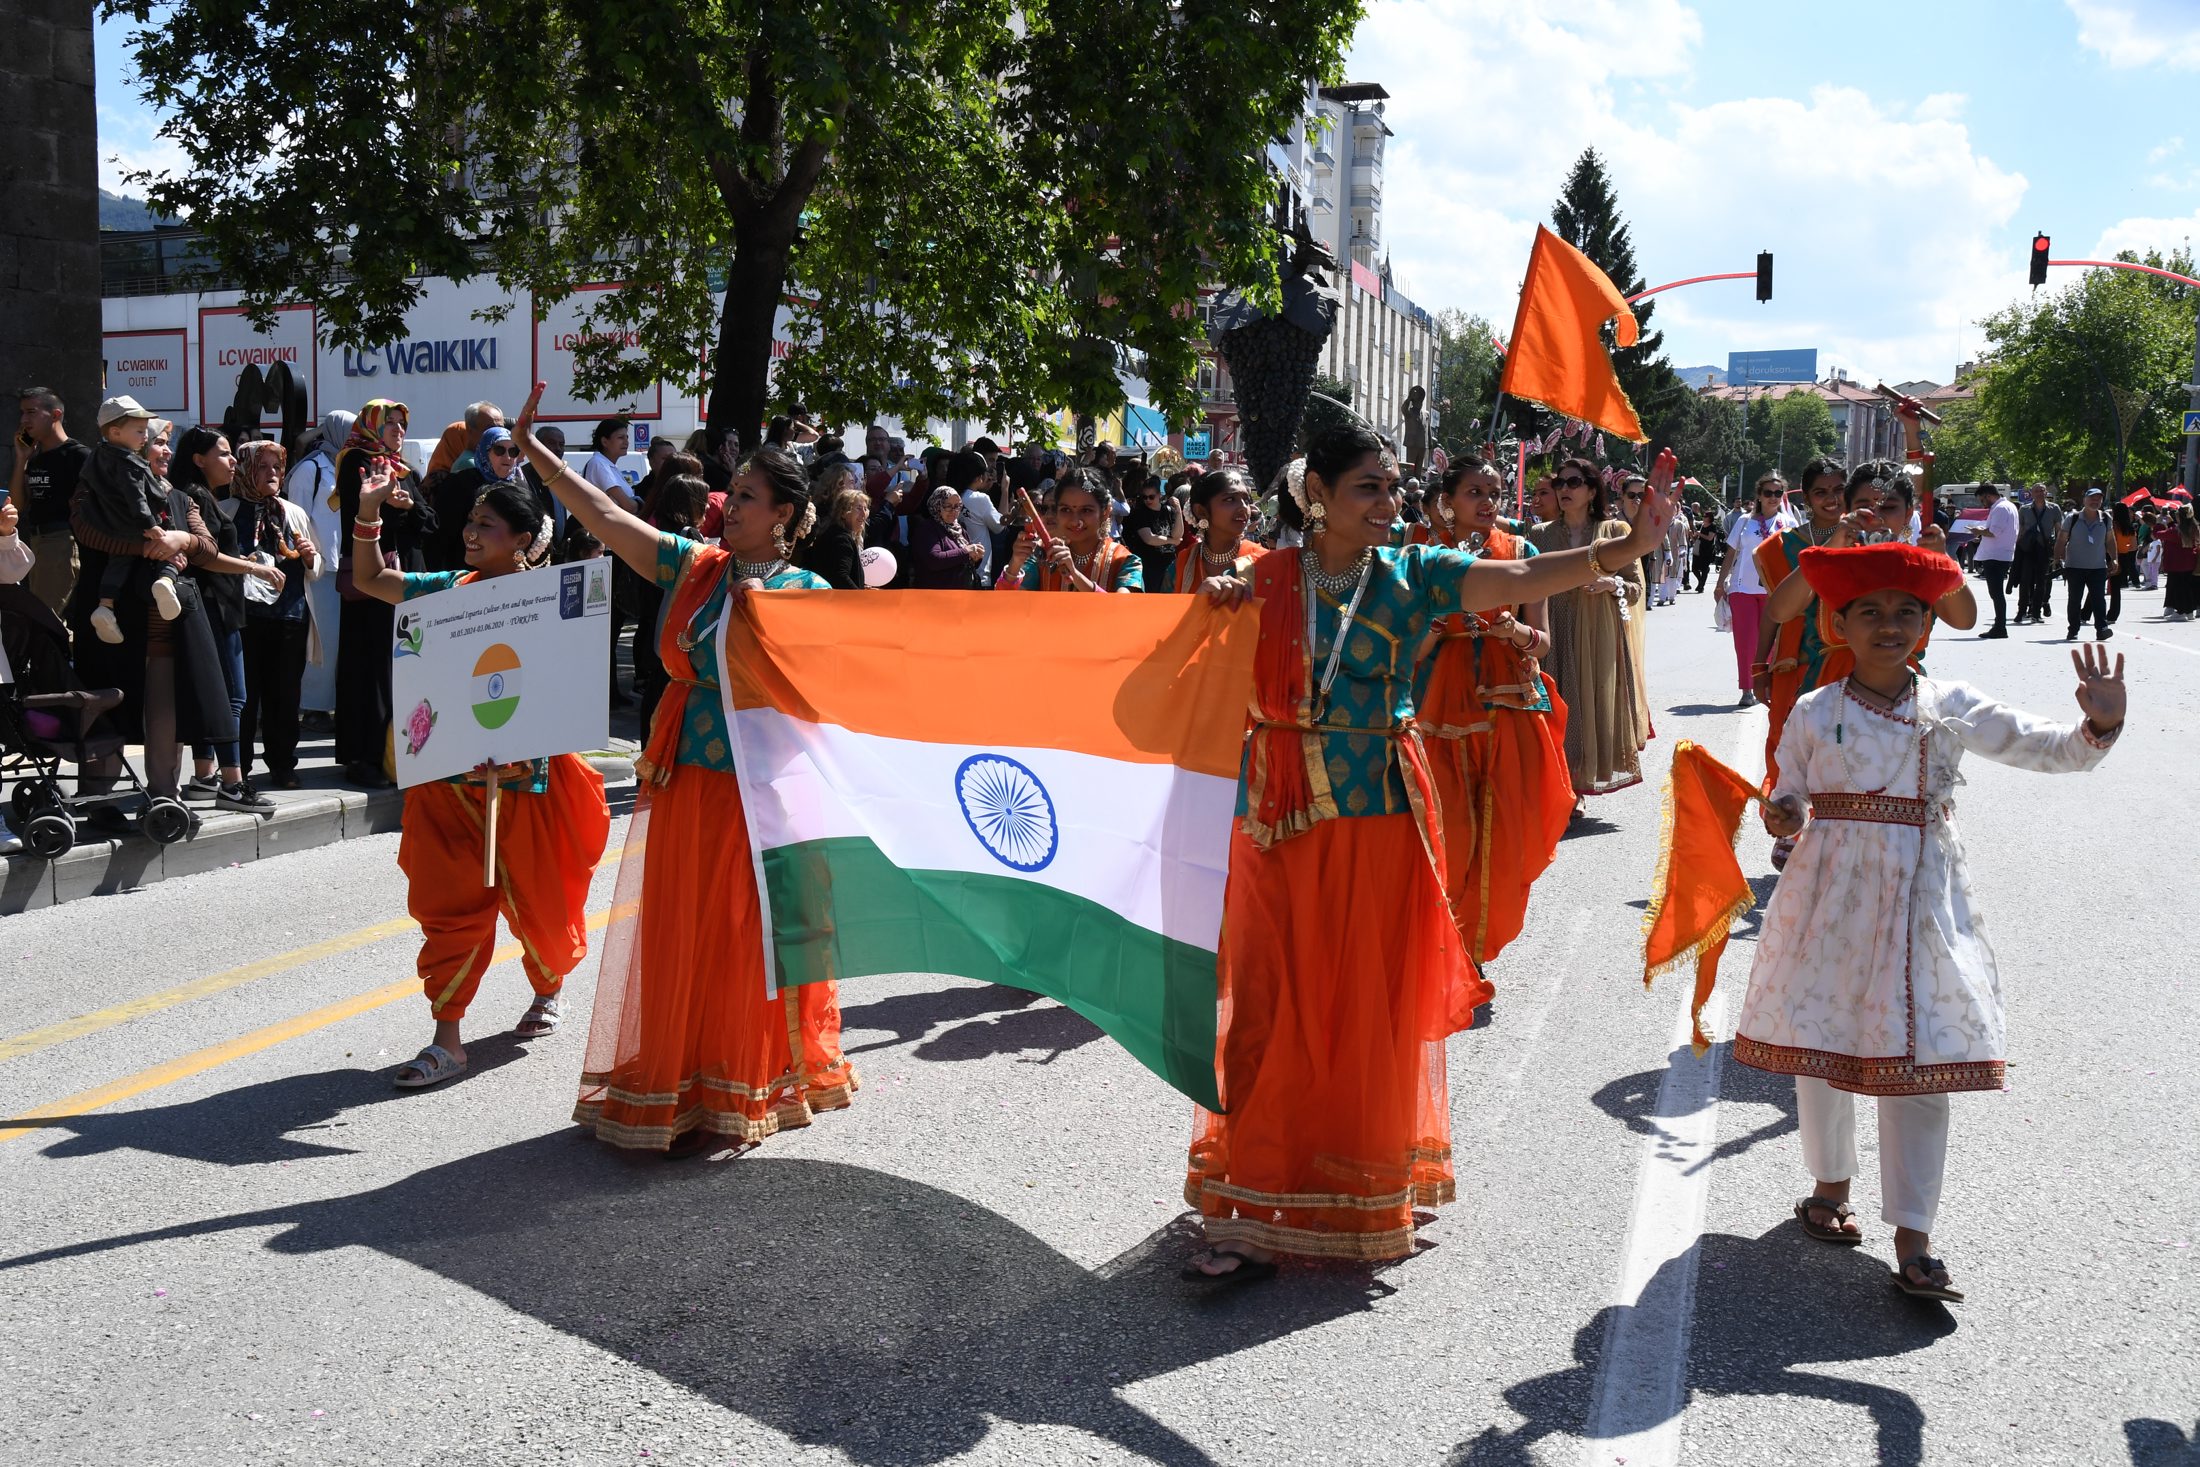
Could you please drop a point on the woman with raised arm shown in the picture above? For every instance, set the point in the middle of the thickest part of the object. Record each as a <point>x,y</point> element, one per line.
<point>1081,556</point>
<point>686,1052</point>
<point>1222,511</point>
<point>1499,757</point>
<point>1341,969</point>
<point>1605,731</point>
<point>551,817</point>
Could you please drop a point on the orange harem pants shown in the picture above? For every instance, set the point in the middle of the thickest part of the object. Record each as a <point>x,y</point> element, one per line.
<point>547,849</point>
<point>1341,974</point>
<point>1506,794</point>
<point>684,1037</point>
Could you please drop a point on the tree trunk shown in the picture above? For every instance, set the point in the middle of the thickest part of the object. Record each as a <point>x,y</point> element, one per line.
<point>740,386</point>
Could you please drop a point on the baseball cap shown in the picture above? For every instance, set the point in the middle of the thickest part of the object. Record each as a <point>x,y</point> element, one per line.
<point>115,409</point>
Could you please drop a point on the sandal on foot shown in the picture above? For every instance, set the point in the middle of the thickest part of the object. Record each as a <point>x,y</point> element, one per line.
<point>1928,1266</point>
<point>1248,1270</point>
<point>432,1066</point>
<point>542,1017</point>
<point>1835,1234</point>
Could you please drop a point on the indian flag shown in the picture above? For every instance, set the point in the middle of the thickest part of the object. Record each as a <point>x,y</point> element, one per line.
<point>496,686</point>
<point>1030,790</point>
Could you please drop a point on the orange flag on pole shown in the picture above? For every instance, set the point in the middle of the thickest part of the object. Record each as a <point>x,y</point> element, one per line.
<point>1557,359</point>
<point>1700,888</point>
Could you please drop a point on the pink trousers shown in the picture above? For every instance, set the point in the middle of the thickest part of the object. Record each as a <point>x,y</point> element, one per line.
<point>1748,611</point>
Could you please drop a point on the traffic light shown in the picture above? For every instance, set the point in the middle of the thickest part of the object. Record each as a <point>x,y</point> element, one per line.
<point>2039,259</point>
<point>1764,275</point>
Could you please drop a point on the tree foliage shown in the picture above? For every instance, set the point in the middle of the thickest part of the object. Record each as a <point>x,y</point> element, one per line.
<point>1466,379</point>
<point>1705,434</point>
<point>972,207</point>
<point>2056,368</point>
<point>1965,450</point>
<point>1788,432</point>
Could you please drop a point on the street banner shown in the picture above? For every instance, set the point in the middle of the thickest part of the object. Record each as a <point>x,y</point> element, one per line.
<point>1048,806</point>
<point>502,670</point>
<point>229,343</point>
<point>152,366</point>
<point>563,326</point>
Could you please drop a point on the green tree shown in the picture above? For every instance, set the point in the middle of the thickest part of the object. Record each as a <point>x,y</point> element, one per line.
<point>1788,432</point>
<point>1587,217</point>
<point>2062,374</point>
<point>1965,450</point>
<point>973,207</point>
<point>1706,436</point>
<point>1466,380</point>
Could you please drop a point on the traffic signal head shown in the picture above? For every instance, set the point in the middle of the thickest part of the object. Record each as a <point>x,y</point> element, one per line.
<point>1764,275</point>
<point>2039,259</point>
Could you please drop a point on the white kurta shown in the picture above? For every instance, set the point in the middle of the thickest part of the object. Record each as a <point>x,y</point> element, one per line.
<point>1873,971</point>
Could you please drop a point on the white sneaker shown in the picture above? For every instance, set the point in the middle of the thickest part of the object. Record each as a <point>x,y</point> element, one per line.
<point>165,600</point>
<point>104,623</point>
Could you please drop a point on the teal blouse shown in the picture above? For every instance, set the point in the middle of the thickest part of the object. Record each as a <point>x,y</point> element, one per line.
<point>427,583</point>
<point>1541,700</point>
<point>1408,589</point>
<point>705,741</point>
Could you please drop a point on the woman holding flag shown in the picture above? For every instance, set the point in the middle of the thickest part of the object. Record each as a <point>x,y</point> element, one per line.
<point>1342,971</point>
<point>551,819</point>
<point>1222,510</point>
<point>1499,760</point>
<point>688,1049</point>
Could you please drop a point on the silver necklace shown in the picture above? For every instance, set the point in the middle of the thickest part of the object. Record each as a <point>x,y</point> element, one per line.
<point>749,570</point>
<point>1218,562</point>
<point>1366,566</point>
<point>1342,581</point>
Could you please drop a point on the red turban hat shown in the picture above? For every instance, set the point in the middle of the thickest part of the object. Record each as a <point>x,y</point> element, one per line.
<point>1841,576</point>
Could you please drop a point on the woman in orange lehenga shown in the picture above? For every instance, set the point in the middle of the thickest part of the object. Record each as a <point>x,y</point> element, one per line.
<point>1341,970</point>
<point>551,816</point>
<point>687,1051</point>
<point>1499,760</point>
<point>1222,509</point>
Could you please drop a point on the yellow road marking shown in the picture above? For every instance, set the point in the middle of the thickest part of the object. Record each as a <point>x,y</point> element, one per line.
<point>200,1061</point>
<point>34,1040</point>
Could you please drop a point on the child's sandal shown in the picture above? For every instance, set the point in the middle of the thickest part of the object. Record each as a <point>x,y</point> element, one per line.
<point>1836,1234</point>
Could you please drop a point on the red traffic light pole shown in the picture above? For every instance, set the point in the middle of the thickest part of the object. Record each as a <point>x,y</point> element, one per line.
<point>1763,276</point>
<point>2041,246</point>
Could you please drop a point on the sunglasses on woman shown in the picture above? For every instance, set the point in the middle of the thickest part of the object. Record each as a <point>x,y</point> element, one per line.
<point>1571,481</point>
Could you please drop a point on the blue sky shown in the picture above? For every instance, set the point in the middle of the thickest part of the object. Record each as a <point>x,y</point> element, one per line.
<point>1896,157</point>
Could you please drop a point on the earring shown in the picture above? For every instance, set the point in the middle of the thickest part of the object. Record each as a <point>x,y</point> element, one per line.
<point>1200,525</point>
<point>779,541</point>
<point>1317,517</point>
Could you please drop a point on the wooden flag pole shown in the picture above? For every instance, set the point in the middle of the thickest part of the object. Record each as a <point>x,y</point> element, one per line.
<point>489,830</point>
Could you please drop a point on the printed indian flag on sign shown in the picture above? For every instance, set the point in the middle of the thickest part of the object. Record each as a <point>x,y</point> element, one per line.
<point>1030,790</point>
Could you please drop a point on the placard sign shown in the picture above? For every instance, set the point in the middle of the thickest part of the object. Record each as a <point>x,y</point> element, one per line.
<point>152,366</point>
<point>228,344</point>
<point>564,327</point>
<point>502,670</point>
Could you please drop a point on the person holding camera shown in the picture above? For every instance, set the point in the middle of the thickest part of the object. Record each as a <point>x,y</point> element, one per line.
<point>1153,531</point>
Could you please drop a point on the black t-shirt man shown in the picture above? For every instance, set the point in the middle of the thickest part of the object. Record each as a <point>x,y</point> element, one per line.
<point>49,479</point>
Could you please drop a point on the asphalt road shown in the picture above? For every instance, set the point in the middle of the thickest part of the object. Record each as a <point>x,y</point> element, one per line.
<point>242,1245</point>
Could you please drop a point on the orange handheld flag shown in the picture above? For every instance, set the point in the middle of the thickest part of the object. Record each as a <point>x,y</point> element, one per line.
<point>1700,888</point>
<point>1557,359</point>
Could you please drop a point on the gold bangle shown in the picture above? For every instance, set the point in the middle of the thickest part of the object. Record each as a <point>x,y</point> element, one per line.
<point>1596,564</point>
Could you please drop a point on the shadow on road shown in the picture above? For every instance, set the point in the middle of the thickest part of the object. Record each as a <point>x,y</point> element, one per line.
<point>1764,1307</point>
<point>1701,710</point>
<point>253,1124</point>
<point>911,1017</point>
<point>2161,1443</point>
<point>845,1307</point>
<point>1632,1100</point>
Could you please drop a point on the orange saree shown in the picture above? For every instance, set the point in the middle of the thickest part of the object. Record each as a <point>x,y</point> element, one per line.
<point>684,1035</point>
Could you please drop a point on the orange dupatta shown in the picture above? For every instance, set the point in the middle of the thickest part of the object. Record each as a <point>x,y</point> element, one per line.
<point>654,768</point>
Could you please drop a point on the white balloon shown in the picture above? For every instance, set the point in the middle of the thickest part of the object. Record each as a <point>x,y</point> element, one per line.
<point>878,566</point>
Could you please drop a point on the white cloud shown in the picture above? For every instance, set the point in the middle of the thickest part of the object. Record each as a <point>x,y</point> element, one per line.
<point>2140,32</point>
<point>2142,235</point>
<point>1884,219</point>
<point>130,142</point>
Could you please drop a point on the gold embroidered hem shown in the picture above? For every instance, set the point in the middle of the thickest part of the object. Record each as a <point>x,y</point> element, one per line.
<point>779,1110</point>
<point>1889,1075</point>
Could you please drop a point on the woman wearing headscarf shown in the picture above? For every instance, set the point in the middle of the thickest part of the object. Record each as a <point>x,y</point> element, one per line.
<point>367,625</point>
<point>496,460</point>
<point>941,556</point>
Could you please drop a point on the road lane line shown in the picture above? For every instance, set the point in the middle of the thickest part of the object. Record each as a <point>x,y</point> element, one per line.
<point>1641,1383</point>
<point>46,1037</point>
<point>198,1062</point>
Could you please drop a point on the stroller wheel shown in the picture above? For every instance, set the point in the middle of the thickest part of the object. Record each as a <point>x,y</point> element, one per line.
<point>49,836</point>
<point>28,798</point>
<point>167,821</point>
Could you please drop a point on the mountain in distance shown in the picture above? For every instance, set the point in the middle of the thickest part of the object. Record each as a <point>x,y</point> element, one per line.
<point>1699,378</point>
<point>119,213</point>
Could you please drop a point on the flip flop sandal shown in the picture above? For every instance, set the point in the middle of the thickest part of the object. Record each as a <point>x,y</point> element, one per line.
<point>1248,1271</point>
<point>1928,1266</point>
<point>542,1017</point>
<point>432,1066</point>
<point>1836,1234</point>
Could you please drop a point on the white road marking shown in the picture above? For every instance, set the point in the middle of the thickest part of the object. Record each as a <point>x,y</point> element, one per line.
<point>1561,967</point>
<point>2158,642</point>
<point>1635,1412</point>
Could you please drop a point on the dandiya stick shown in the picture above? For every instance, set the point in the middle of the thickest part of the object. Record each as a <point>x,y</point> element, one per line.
<point>1023,496</point>
<point>489,830</point>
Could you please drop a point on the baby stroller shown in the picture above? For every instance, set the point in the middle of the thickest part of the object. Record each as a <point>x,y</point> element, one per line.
<point>46,721</point>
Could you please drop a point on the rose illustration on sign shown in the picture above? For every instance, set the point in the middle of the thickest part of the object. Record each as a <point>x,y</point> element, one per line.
<point>418,725</point>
